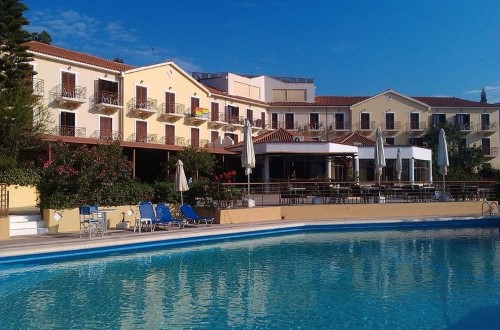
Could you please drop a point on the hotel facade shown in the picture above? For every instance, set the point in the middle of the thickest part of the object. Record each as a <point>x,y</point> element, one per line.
<point>155,111</point>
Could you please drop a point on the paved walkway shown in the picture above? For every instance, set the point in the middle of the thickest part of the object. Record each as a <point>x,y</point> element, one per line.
<point>25,245</point>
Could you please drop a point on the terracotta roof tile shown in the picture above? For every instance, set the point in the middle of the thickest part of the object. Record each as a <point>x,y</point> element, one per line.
<point>354,139</point>
<point>67,54</point>
<point>450,102</point>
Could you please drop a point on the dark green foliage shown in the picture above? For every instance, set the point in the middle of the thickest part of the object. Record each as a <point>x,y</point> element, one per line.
<point>197,162</point>
<point>464,161</point>
<point>43,36</point>
<point>484,99</point>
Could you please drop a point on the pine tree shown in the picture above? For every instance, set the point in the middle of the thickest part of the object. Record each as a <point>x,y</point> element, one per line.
<point>483,96</point>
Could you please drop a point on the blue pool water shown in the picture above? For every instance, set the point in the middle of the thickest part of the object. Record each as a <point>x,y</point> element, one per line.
<point>388,279</point>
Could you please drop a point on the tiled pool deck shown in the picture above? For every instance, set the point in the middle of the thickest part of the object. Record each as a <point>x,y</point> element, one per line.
<point>54,243</point>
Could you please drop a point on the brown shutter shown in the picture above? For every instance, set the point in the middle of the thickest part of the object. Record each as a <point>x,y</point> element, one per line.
<point>195,103</point>
<point>170,102</point>
<point>67,127</point>
<point>106,126</point>
<point>68,84</point>
<point>263,120</point>
<point>215,111</point>
<point>250,115</point>
<point>195,137</point>
<point>214,135</point>
<point>141,95</point>
<point>170,134</point>
<point>141,131</point>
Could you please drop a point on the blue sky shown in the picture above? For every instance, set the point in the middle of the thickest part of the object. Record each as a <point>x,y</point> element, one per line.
<point>418,48</point>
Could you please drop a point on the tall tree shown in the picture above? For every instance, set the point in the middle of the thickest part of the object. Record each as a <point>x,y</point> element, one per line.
<point>465,161</point>
<point>21,116</point>
<point>483,96</point>
<point>43,36</point>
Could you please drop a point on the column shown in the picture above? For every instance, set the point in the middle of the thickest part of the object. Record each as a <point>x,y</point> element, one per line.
<point>329,167</point>
<point>266,173</point>
<point>429,166</point>
<point>355,169</point>
<point>412,170</point>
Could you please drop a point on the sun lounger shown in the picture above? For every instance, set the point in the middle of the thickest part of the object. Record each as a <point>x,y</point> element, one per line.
<point>192,217</point>
<point>165,218</point>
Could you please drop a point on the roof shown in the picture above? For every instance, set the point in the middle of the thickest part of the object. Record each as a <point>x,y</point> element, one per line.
<point>216,91</point>
<point>354,139</point>
<point>42,48</point>
<point>347,101</point>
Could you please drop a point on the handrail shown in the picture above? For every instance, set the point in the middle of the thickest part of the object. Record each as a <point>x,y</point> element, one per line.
<point>490,207</point>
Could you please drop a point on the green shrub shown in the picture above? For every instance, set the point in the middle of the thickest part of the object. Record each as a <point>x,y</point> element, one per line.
<point>20,176</point>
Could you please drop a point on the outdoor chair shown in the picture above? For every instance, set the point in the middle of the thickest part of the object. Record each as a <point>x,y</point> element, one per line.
<point>165,218</point>
<point>90,221</point>
<point>147,217</point>
<point>192,217</point>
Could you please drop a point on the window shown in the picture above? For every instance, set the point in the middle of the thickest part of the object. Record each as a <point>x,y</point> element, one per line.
<point>107,92</point>
<point>141,97</point>
<point>234,137</point>
<point>314,121</point>
<point>250,115</point>
<point>233,114</point>
<point>365,120</point>
<point>274,121</point>
<point>170,134</point>
<point>418,142</point>
<point>169,102</point>
<point>485,145</point>
<point>485,122</point>
<point>389,140</point>
<point>68,84</point>
<point>67,120</point>
<point>438,119</point>
<point>195,137</point>
<point>105,128</point>
<point>214,135</point>
<point>389,121</point>
<point>141,131</point>
<point>463,121</point>
<point>263,120</point>
<point>214,110</point>
<point>339,121</point>
<point>289,95</point>
<point>195,103</point>
<point>289,121</point>
<point>415,120</point>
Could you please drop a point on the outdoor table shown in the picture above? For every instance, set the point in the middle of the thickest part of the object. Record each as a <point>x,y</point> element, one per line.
<point>104,222</point>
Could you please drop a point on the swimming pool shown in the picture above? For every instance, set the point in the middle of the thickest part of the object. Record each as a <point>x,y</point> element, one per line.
<point>433,278</point>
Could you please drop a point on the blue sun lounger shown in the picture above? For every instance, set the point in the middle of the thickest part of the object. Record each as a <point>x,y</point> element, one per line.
<point>165,218</point>
<point>191,216</point>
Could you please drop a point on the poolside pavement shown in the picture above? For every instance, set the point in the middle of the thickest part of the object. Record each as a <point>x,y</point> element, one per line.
<point>47,243</point>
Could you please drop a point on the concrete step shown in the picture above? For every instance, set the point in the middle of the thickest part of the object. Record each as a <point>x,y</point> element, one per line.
<point>21,225</point>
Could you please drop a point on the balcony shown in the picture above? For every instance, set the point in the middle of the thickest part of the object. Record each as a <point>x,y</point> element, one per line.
<point>172,114</point>
<point>365,127</point>
<point>200,143</point>
<point>172,140</point>
<point>69,95</point>
<point>106,135</point>
<point>143,138</point>
<point>38,87</point>
<point>197,117</point>
<point>312,128</point>
<point>142,108</point>
<point>234,122</point>
<point>465,128</point>
<point>416,127</point>
<point>69,131</point>
<point>490,152</point>
<point>288,125</point>
<point>487,128</point>
<point>217,120</point>
<point>339,127</point>
<point>391,127</point>
<point>107,102</point>
<point>257,125</point>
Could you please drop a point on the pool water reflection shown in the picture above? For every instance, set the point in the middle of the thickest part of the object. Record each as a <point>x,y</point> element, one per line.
<point>375,279</point>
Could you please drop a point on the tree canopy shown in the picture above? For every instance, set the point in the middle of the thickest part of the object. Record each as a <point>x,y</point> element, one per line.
<point>465,161</point>
<point>43,36</point>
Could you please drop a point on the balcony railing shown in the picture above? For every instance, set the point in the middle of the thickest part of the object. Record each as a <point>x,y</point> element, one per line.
<point>340,126</point>
<point>107,102</point>
<point>197,116</point>
<point>69,131</point>
<point>312,126</point>
<point>416,126</point>
<point>38,87</point>
<point>171,114</point>
<point>291,125</point>
<point>147,138</point>
<point>365,126</point>
<point>141,107</point>
<point>200,143</point>
<point>106,135</point>
<point>465,127</point>
<point>172,140</point>
<point>69,94</point>
<point>391,127</point>
<point>487,128</point>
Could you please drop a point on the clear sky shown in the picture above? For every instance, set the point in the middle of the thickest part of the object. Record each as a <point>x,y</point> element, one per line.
<point>417,48</point>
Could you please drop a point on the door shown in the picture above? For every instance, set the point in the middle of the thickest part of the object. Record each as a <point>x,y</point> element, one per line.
<point>274,120</point>
<point>195,103</point>
<point>169,102</point>
<point>67,120</point>
<point>339,121</point>
<point>141,97</point>
<point>233,114</point>
<point>313,121</point>
<point>485,145</point>
<point>108,92</point>
<point>250,115</point>
<point>68,82</point>
<point>195,137</point>
<point>170,134</point>
<point>141,131</point>
<point>289,121</point>
<point>263,120</point>
<point>389,121</point>
<point>414,121</point>
<point>214,115</point>
<point>106,128</point>
<point>485,121</point>
<point>463,122</point>
<point>365,121</point>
